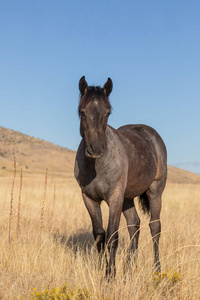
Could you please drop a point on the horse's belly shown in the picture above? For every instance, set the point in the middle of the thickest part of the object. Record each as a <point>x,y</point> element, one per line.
<point>134,190</point>
<point>139,183</point>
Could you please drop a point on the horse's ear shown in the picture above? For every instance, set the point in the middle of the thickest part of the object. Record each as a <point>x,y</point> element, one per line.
<point>108,87</point>
<point>83,85</point>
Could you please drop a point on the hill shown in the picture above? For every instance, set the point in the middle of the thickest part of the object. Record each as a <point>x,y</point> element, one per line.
<point>35,155</point>
<point>176,175</point>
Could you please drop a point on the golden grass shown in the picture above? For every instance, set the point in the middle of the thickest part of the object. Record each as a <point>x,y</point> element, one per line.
<point>65,253</point>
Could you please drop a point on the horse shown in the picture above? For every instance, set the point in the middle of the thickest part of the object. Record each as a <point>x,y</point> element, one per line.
<point>117,165</point>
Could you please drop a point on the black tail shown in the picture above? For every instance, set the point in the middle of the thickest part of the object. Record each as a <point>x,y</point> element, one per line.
<point>144,203</point>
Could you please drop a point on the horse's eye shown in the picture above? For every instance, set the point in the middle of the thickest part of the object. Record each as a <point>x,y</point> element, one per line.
<point>108,114</point>
<point>83,115</point>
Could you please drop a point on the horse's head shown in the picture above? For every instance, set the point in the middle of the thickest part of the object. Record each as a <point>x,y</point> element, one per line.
<point>94,110</point>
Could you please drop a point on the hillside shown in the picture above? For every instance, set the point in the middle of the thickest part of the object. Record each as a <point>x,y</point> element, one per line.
<point>35,155</point>
<point>176,175</point>
<point>32,154</point>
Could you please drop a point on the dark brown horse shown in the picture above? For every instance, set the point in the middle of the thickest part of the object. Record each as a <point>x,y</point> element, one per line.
<point>116,166</point>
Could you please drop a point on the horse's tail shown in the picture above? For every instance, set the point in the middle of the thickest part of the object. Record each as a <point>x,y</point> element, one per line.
<point>144,203</point>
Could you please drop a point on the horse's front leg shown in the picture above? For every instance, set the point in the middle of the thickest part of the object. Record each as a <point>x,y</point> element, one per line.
<point>115,209</point>
<point>94,210</point>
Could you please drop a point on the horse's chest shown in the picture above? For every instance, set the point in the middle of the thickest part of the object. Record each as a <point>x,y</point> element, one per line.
<point>96,188</point>
<point>99,178</point>
<point>98,181</point>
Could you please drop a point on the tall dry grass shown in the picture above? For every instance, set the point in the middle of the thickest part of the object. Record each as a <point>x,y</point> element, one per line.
<point>65,253</point>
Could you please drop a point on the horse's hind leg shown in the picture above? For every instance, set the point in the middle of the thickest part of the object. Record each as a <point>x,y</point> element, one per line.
<point>133,223</point>
<point>154,194</point>
<point>94,210</point>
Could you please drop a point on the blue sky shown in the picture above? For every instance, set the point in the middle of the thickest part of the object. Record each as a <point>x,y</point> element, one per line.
<point>150,49</point>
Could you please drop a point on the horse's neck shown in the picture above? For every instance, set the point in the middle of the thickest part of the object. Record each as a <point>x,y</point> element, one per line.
<point>111,137</point>
<point>113,161</point>
<point>112,143</point>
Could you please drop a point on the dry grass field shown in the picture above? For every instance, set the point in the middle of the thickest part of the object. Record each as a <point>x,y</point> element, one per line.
<point>46,240</point>
<point>54,245</point>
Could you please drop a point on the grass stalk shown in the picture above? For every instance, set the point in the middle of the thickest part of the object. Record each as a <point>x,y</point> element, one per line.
<point>11,202</point>
<point>43,206</point>
<point>19,205</point>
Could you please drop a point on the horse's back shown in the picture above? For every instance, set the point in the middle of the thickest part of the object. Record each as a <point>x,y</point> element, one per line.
<point>145,135</point>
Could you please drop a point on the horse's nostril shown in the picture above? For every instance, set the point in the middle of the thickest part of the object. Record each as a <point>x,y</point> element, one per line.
<point>89,152</point>
<point>91,147</point>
